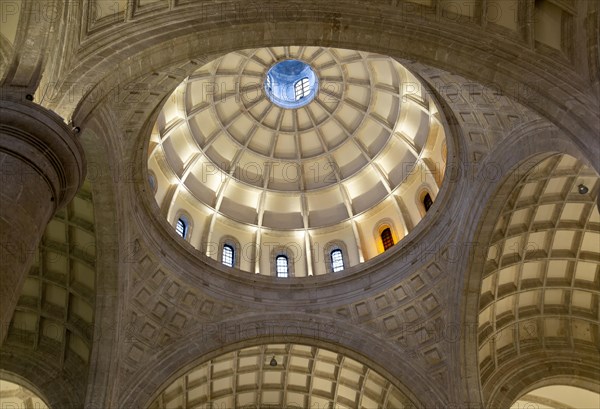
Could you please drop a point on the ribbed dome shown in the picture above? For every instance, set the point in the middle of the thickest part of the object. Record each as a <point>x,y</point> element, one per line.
<point>224,153</point>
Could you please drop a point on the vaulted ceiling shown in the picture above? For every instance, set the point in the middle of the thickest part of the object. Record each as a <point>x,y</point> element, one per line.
<point>516,81</point>
<point>54,319</point>
<point>541,285</point>
<point>301,377</point>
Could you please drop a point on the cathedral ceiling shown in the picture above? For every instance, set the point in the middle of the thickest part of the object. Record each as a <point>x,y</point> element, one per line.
<point>172,309</point>
<point>405,308</point>
<point>364,151</point>
<point>541,280</point>
<point>301,377</point>
<point>120,41</point>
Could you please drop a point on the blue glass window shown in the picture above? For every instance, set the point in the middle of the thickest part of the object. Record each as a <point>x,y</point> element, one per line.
<point>181,227</point>
<point>302,88</point>
<point>281,266</point>
<point>228,255</point>
<point>337,261</point>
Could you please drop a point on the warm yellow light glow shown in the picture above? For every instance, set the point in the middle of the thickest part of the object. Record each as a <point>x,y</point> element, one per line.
<point>17,396</point>
<point>299,175</point>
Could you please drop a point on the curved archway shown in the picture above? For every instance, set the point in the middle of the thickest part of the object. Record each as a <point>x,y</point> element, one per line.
<point>98,140</point>
<point>18,393</point>
<point>414,33</point>
<point>290,375</point>
<point>211,341</point>
<point>573,369</point>
<point>561,91</point>
<point>536,141</point>
<point>537,298</point>
<point>557,396</point>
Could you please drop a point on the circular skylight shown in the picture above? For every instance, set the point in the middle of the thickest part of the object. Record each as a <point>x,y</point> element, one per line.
<point>291,84</point>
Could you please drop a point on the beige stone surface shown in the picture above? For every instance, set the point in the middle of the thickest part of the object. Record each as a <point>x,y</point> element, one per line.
<point>490,298</point>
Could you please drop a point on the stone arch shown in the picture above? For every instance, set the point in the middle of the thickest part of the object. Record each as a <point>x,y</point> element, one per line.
<point>536,371</point>
<point>536,144</point>
<point>98,139</point>
<point>338,26</point>
<point>32,370</point>
<point>27,393</point>
<point>208,343</point>
<point>561,381</point>
<point>270,374</point>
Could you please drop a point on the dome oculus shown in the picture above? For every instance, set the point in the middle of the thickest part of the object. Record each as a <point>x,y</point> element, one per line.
<point>291,84</point>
